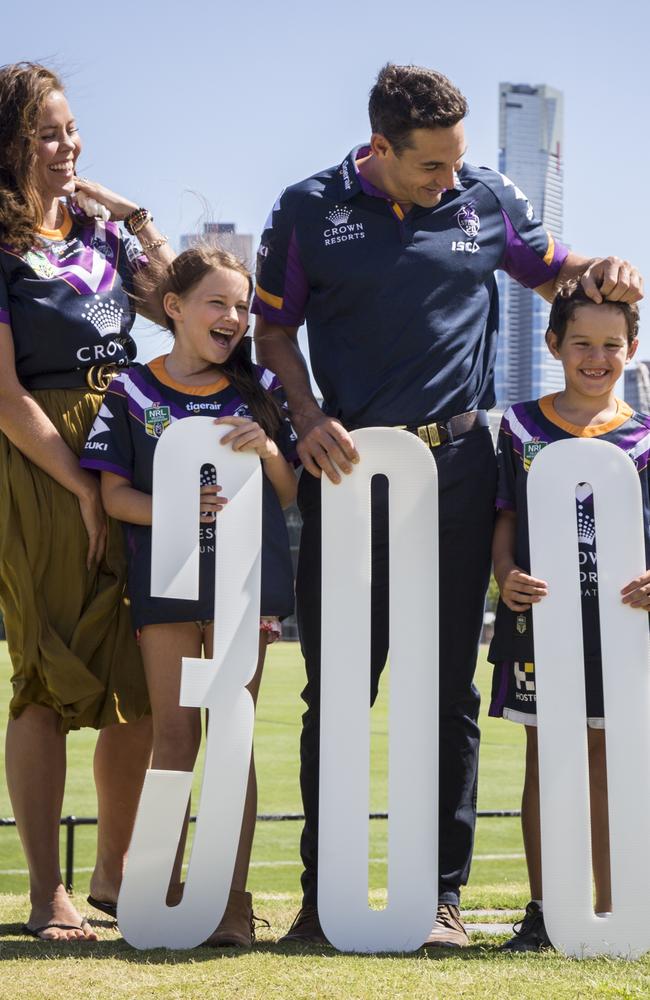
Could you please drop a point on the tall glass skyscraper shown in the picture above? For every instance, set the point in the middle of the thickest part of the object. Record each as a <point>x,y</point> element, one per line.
<point>531,122</point>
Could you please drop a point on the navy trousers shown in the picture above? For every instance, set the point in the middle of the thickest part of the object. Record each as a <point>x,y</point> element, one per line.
<point>467,482</point>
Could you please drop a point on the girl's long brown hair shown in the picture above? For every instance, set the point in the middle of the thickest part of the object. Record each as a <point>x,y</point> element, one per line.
<point>183,274</point>
<point>24,88</point>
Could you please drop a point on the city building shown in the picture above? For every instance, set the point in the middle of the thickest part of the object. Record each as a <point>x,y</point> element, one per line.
<point>637,386</point>
<point>224,235</point>
<point>530,155</point>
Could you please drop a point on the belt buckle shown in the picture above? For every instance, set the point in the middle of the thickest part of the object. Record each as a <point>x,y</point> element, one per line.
<point>99,377</point>
<point>434,435</point>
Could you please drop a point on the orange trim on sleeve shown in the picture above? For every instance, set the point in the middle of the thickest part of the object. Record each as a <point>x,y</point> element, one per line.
<point>623,413</point>
<point>550,250</point>
<point>157,366</point>
<point>271,300</point>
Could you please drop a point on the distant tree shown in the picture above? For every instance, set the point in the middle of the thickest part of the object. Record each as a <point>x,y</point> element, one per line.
<point>492,598</point>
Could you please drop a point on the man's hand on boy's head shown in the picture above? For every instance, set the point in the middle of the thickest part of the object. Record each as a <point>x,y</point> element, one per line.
<point>519,590</point>
<point>612,279</point>
<point>637,592</point>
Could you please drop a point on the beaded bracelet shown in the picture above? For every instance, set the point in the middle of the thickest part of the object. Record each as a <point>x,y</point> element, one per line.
<point>154,244</point>
<point>137,220</point>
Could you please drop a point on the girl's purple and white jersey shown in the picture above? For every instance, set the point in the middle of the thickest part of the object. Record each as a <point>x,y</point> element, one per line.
<point>138,406</point>
<point>67,300</point>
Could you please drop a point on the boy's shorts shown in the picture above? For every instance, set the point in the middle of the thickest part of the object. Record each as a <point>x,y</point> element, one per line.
<point>514,698</point>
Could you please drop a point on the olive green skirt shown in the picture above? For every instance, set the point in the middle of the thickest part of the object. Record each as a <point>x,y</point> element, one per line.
<point>68,628</point>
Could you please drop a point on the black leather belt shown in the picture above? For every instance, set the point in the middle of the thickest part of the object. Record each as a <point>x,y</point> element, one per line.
<point>444,431</point>
<point>97,378</point>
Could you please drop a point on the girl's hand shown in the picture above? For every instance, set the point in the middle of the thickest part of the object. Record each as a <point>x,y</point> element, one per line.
<point>519,591</point>
<point>248,436</point>
<point>93,516</point>
<point>637,593</point>
<point>211,502</point>
<point>118,206</point>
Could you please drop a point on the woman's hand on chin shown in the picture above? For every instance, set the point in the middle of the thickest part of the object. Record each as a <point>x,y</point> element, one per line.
<point>87,192</point>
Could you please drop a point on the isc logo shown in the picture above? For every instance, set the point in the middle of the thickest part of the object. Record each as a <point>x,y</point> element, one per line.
<point>465,246</point>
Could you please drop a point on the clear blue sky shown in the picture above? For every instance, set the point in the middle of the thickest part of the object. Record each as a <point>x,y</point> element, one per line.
<point>204,108</point>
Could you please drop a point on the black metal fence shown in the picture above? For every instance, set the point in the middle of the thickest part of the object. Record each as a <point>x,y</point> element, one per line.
<point>72,822</point>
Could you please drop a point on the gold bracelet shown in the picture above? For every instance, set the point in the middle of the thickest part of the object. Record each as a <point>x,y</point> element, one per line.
<point>154,244</point>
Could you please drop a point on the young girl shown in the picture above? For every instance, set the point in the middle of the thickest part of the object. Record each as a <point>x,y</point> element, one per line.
<point>205,295</point>
<point>594,343</point>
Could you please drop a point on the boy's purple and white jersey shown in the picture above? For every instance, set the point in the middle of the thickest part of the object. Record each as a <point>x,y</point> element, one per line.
<point>526,428</point>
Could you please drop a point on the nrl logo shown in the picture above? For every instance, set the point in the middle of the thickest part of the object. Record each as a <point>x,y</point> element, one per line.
<point>339,216</point>
<point>40,264</point>
<point>156,419</point>
<point>531,449</point>
<point>468,221</point>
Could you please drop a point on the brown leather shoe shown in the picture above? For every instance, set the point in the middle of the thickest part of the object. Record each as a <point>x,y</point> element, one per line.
<point>448,930</point>
<point>237,929</point>
<point>305,929</point>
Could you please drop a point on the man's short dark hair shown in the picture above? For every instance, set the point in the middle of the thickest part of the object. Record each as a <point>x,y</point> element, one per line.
<point>571,296</point>
<point>409,97</point>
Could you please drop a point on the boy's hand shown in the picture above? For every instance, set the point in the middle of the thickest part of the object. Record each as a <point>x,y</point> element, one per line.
<point>248,436</point>
<point>519,591</point>
<point>637,593</point>
<point>211,502</point>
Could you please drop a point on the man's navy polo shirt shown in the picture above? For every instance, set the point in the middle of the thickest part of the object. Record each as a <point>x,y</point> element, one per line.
<point>401,310</point>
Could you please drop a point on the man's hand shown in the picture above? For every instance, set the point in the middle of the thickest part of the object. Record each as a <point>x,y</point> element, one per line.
<point>612,279</point>
<point>324,445</point>
<point>637,593</point>
<point>519,591</point>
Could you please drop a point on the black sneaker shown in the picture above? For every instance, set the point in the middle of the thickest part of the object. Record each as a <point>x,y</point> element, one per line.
<point>530,934</point>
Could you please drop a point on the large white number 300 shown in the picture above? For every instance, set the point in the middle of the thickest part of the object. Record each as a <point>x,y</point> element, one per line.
<point>561,707</point>
<point>218,684</point>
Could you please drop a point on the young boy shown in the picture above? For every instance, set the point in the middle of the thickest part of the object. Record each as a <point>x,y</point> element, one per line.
<point>594,343</point>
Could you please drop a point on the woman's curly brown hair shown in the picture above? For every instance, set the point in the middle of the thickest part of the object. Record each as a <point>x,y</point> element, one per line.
<point>24,88</point>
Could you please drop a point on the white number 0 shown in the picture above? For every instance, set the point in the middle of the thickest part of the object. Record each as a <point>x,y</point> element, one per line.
<point>343,908</point>
<point>561,707</point>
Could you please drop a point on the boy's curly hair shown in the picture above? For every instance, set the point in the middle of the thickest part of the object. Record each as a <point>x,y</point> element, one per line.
<point>571,296</point>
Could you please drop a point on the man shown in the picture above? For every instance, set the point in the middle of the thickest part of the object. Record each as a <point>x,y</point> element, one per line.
<point>390,258</point>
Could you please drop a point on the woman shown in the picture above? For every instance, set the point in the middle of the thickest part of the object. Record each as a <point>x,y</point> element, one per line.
<point>67,284</point>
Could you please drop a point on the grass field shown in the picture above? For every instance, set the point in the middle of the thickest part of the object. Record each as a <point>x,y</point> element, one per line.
<point>276,868</point>
<point>112,969</point>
